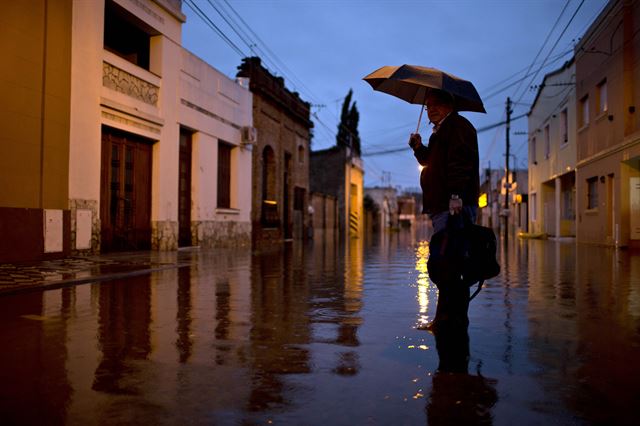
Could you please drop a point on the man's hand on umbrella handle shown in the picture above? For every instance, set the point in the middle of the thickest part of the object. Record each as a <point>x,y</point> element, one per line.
<point>455,205</point>
<point>415,141</point>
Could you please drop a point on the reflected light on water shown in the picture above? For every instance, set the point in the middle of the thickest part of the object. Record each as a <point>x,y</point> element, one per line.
<point>423,282</point>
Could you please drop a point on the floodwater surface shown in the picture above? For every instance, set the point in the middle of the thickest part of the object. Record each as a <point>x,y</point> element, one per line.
<point>325,333</point>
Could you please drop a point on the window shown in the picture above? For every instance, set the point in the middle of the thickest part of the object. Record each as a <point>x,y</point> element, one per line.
<point>224,175</point>
<point>547,142</point>
<point>602,101</point>
<point>583,116</point>
<point>533,151</point>
<point>126,36</point>
<point>592,193</point>
<point>300,154</point>
<point>564,129</point>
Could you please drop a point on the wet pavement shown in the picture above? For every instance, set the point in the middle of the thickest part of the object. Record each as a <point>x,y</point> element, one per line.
<point>321,333</point>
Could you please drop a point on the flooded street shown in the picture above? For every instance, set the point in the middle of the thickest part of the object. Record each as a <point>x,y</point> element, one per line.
<point>325,333</point>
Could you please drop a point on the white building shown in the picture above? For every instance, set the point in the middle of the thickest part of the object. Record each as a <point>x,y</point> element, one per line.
<point>156,156</point>
<point>552,155</point>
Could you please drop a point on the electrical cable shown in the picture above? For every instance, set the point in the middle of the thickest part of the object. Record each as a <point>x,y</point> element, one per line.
<point>554,46</point>
<point>213,26</point>
<point>553,28</point>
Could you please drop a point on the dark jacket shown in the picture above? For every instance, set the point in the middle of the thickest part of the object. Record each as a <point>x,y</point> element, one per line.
<point>451,165</point>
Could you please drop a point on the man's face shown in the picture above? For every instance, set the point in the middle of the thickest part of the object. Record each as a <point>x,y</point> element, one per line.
<point>436,111</point>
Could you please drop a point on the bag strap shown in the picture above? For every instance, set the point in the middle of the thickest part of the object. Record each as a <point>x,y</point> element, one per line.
<point>475,293</point>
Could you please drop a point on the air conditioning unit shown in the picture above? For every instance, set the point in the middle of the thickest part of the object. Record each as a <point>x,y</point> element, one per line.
<point>249,135</point>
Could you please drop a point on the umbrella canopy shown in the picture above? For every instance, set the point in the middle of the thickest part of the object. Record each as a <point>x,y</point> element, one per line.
<point>412,82</point>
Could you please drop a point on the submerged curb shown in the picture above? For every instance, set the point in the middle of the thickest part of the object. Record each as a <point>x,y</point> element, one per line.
<point>19,288</point>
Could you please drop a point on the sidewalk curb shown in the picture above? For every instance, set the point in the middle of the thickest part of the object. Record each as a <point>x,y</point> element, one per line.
<point>25,288</point>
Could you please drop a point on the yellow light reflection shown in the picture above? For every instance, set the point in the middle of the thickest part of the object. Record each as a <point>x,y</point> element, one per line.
<point>424,284</point>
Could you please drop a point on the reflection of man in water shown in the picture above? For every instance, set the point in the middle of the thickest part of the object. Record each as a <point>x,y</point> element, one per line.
<point>458,398</point>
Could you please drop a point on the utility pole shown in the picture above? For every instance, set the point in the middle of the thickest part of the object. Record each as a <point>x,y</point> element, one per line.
<point>506,175</point>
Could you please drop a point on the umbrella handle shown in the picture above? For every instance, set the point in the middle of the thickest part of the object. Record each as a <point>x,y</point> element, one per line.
<point>424,100</point>
<point>420,118</point>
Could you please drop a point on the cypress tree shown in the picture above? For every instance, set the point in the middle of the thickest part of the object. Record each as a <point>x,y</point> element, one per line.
<point>348,127</point>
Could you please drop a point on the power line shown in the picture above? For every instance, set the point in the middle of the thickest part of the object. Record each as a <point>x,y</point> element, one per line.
<point>213,26</point>
<point>497,92</point>
<point>554,46</point>
<point>553,28</point>
<point>270,54</point>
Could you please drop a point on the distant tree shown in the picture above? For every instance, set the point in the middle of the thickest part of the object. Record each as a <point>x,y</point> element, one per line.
<point>348,127</point>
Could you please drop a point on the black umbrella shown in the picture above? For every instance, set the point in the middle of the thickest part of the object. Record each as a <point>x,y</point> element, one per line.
<point>412,83</point>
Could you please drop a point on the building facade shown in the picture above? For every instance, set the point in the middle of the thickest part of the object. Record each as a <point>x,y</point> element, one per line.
<point>608,127</point>
<point>386,201</point>
<point>338,172</point>
<point>280,157</point>
<point>552,155</point>
<point>35,80</point>
<point>500,198</point>
<point>152,155</point>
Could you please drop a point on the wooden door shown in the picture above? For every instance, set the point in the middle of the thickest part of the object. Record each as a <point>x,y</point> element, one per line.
<point>125,199</point>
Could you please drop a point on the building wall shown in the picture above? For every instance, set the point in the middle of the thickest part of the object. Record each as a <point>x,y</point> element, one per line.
<point>387,202</point>
<point>34,156</point>
<point>283,126</point>
<point>328,176</point>
<point>216,108</point>
<point>325,212</point>
<point>548,171</point>
<point>177,91</point>
<point>334,171</point>
<point>609,143</point>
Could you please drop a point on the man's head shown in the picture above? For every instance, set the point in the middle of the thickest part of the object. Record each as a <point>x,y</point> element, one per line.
<point>439,104</point>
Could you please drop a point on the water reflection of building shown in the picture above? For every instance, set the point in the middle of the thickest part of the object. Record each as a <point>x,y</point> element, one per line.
<point>34,385</point>
<point>281,327</point>
<point>123,334</point>
<point>583,310</point>
<point>348,362</point>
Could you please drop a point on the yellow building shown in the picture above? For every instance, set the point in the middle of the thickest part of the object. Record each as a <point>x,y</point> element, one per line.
<point>338,172</point>
<point>35,82</point>
<point>608,127</point>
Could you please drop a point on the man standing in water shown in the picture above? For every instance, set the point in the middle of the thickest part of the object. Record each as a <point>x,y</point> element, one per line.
<point>450,182</point>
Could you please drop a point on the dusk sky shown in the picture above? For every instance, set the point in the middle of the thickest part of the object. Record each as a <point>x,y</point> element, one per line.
<point>323,48</point>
